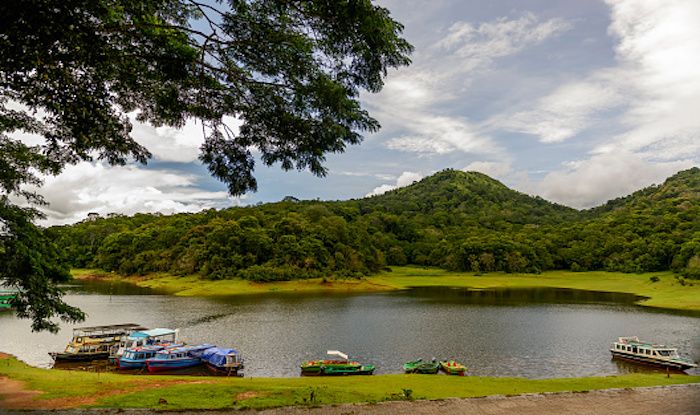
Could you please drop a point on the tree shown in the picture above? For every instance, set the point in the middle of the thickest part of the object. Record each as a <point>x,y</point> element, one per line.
<point>72,70</point>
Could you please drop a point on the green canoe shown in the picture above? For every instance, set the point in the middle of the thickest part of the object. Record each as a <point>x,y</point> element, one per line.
<point>452,367</point>
<point>330,367</point>
<point>419,366</point>
<point>5,298</point>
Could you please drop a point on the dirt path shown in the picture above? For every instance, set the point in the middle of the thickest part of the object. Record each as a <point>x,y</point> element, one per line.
<point>677,400</point>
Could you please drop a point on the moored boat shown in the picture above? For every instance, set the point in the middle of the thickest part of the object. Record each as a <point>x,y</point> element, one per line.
<point>94,343</point>
<point>419,366</point>
<point>6,298</point>
<point>142,338</point>
<point>135,358</point>
<point>331,367</point>
<point>176,358</point>
<point>635,350</point>
<point>452,367</point>
<point>222,361</point>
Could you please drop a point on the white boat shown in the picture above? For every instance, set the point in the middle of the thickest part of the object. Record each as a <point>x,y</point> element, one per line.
<point>136,339</point>
<point>633,349</point>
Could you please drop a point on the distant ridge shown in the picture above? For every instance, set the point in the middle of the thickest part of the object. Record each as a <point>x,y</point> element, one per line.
<point>452,219</point>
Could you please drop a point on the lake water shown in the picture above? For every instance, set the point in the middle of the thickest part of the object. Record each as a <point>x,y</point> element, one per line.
<point>534,333</point>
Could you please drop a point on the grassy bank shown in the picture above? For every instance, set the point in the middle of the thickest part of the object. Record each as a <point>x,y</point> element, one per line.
<point>65,389</point>
<point>667,292</point>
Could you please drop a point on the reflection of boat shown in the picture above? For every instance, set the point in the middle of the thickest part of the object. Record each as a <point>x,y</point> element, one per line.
<point>632,349</point>
<point>341,366</point>
<point>419,366</point>
<point>452,367</point>
<point>5,298</point>
<point>223,361</point>
<point>142,338</point>
<point>176,358</point>
<point>94,343</point>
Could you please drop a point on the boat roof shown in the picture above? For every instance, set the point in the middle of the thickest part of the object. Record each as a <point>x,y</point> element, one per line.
<point>337,353</point>
<point>158,332</point>
<point>634,341</point>
<point>126,326</point>
<point>186,348</point>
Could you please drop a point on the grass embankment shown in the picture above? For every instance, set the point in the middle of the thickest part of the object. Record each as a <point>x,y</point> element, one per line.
<point>65,389</point>
<point>665,293</point>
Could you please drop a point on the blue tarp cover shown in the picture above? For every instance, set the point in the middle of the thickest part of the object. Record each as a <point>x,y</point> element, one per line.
<point>217,355</point>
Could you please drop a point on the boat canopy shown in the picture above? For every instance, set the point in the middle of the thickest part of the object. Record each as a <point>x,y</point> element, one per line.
<point>337,353</point>
<point>217,355</point>
<point>110,328</point>
<point>158,332</point>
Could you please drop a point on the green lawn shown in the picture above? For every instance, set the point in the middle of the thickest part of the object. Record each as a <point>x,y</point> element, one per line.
<point>182,392</point>
<point>666,293</point>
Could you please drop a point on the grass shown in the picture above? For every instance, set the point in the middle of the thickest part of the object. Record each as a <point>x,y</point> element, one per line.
<point>666,293</point>
<point>182,392</point>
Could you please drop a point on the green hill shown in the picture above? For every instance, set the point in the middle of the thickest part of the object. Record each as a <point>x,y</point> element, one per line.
<point>455,220</point>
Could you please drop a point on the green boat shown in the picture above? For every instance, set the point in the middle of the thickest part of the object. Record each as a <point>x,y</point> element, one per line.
<point>452,367</point>
<point>335,367</point>
<point>419,366</point>
<point>5,298</point>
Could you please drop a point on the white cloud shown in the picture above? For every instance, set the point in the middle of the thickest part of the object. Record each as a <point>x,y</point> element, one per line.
<point>479,45</point>
<point>413,106</point>
<point>587,183</point>
<point>407,178</point>
<point>174,144</point>
<point>94,187</point>
<point>654,86</point>
<point>566,112</point>
<point>492,168</point>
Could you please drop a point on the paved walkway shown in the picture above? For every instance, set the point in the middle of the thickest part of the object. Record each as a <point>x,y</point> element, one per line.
<point>676,400</point>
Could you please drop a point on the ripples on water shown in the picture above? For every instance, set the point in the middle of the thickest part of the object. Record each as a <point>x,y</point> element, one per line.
<point>535,333</point>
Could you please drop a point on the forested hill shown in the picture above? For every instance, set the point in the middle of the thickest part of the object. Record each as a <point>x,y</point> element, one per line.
<point>454,220</point>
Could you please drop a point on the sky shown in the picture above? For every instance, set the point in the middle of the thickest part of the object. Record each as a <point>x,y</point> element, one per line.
<point>575,101</point>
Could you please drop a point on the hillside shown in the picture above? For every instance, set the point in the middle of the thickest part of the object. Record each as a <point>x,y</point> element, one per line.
<point>454,220</point>
<point>474,198</point>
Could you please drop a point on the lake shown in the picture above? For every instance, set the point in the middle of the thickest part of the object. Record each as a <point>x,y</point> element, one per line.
<point>534,333</point>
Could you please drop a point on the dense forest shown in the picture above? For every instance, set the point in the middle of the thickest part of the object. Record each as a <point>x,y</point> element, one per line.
<point>454,220</point>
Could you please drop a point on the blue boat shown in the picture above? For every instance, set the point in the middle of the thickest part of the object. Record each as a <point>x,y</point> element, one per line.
<point>176,358</point>
<point>142,338</point>
<point>222,361</point>
<point>135,358</point>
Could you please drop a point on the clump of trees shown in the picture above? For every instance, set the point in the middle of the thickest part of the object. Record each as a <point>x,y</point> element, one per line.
<point>454,220</point>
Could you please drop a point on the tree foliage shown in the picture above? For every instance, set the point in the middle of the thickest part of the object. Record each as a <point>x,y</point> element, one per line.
<point>73,72</point>
<point>455,220</point>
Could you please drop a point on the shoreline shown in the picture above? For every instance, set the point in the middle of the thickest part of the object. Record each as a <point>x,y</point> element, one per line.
<point>667,294</point>
<point>677,399</point>
<point>25,387</point>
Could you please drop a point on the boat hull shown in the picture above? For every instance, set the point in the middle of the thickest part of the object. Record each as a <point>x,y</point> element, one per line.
<point>222,370</point>
<point>616,354</point>
<point>155,366</point>
<point>79,357</point>
<point>452,368</point>
<point>125,364</point>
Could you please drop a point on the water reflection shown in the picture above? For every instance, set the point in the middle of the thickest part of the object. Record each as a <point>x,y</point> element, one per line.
<point>534,333</point>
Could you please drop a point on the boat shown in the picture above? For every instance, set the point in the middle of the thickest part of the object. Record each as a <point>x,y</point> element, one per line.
<point>135,358</point>
<point>222,361</point>
<point>419,366</point>
<point>452,367</point>
<point>176,358</point>
<point>635,350</point>
<point>6,298</point>
<point>330,367</point>
<point>142,338</point>
<point>94,343</point>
